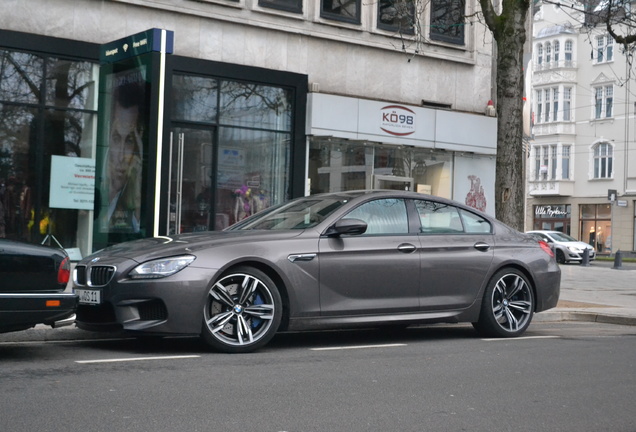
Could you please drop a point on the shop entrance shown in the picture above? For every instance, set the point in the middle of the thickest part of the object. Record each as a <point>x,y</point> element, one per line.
<point>191,202</point>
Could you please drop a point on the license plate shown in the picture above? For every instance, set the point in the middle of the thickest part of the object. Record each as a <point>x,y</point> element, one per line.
<point>93,297</point>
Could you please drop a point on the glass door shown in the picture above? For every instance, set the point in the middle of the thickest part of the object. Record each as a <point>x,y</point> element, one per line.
<point>190,192</point>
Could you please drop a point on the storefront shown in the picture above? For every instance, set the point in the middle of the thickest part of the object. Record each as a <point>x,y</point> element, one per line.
<point>363,144</point>
<point>555,217</point>
<point>232,143</point>
<point>596,226</point>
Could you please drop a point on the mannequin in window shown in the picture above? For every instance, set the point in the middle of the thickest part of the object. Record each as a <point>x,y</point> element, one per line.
<point>592,240</point>
<point>599,241</point>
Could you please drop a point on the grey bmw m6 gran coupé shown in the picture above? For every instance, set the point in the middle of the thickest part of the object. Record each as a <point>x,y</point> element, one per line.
<point>338,260</point>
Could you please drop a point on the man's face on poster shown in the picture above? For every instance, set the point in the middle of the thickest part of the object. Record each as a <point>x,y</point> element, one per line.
<point>125,142</point>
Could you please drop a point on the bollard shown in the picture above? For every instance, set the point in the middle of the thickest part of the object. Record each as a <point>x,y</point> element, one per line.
<point>585,261</point>
<point>618,260</point>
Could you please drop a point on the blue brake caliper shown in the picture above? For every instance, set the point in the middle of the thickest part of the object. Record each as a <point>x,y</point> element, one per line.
<point>258,300</point>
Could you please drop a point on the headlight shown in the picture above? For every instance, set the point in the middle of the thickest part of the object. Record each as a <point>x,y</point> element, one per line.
<point>575,249</point>
<point>160,268</point>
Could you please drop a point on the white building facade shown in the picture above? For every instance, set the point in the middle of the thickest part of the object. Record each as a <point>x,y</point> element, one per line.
<point>582,160</point>
<point>263,100</point>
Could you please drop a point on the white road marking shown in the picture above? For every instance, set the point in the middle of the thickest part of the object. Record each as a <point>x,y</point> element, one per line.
<point>357,347</point>
<point>521,338</point>
<point>137,359</point>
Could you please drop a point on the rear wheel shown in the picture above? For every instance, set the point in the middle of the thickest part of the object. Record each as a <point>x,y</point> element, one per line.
<point>242,311</point>
<point>508,305</point>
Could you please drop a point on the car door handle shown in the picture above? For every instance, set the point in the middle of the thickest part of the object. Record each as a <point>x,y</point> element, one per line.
<point>407,248</point>
<point>481,246</point>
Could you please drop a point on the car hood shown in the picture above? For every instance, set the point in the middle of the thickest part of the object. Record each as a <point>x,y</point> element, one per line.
<point>578,244</point>
<point>163,246</point>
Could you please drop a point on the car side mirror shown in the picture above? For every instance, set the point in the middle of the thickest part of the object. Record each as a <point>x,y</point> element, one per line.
<point>348,226</point>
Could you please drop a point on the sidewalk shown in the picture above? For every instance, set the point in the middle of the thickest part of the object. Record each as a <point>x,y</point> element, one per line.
<point>596,293</point>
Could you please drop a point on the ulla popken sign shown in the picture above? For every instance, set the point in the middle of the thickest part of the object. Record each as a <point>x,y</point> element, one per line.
<point>397,120</point>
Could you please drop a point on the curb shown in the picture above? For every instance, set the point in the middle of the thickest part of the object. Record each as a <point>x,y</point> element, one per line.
<point>584,316</point>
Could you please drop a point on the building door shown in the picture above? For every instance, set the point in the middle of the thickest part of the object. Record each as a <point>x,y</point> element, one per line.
<point>191,205</point>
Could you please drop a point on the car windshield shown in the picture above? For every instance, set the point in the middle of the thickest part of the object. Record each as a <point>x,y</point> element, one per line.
<point>557,236</point>
<point>294,215</point>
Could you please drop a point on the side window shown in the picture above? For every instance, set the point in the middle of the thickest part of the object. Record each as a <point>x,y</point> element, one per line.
<point>438,218</point>
<point>383,216</point>
<point>474,223</point>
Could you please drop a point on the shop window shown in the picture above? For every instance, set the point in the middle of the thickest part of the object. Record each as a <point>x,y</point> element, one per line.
<point>194,98</point>
<point>397,16</point>
<point>596,226</point>
<point>256,106</point>
<point>47,108</point>
<point>338,165</point>
<point>285,5</point>
<point>341,10</point>
<point>447,21</point>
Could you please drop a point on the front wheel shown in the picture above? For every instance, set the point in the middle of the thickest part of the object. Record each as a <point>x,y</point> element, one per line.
<point>242,312</point>
<point>507,307</point>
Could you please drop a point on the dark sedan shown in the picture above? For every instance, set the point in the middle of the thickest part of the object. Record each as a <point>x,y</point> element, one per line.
<point>32,283</point>
<point>350,259</point>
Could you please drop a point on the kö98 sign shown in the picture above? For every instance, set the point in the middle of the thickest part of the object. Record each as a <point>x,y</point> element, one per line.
<point>397,120</point>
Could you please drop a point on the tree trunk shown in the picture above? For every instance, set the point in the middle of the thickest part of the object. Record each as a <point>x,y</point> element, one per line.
<point>509,32</point>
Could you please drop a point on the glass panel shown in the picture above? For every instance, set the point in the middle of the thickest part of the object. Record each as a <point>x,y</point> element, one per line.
<point>251,173</point>
<point>20,77</point>
<point>190,183</point>
<point>17,127</point>
<point>588,211</point>
<point>474,223</point>
<point>438,218</point>
<point>288,5</point>
<point>604,211</point>
<point>385,216</point>
<point>255,106</point>
<point>344,10</point>
<point>447,21</point>
<point>396,15</point>
<point>194,98</point>
<point>71,84</point>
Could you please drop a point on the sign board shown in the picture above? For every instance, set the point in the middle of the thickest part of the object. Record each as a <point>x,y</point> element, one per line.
<point>72,184</point>
<point>137,44</point>
<point>621,203</point>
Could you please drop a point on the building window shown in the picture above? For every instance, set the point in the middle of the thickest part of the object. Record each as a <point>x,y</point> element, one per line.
<point>557,48</point>
<point>604,49</point>
<point>539,54</point>
<point>548,53</point>
<point>341,10</point>
<point>553,162</point>
<point>397,16</point>
<point>447,21</point>
<point>567,103</point>
<point>555,103</point>
<point>539,106</point>
<point>603,160</point>
<point>603,101</point>
<point>568,53</point>
<point>565,162</point>
<point>285,5</point>
<point>547,93</point>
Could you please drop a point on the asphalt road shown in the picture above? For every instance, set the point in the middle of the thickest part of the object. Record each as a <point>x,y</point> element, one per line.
<point>559,377</point>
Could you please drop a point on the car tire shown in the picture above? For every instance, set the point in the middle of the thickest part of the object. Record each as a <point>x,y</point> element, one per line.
<point>560,256</point>
<point>508,305</point>
<point>242,311</point>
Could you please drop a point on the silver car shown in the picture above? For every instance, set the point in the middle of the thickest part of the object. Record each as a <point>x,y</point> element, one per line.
<point>566,248</point>
<point>340,260</point>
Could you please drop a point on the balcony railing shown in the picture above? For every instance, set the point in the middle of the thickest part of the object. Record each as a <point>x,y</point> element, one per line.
<point>561,64</point>
<point>554,128</point>
<point>551,187</point>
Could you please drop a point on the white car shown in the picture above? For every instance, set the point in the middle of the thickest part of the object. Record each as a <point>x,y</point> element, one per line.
<point>566,248</point>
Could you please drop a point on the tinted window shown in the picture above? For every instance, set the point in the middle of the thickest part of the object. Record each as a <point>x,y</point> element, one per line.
<point>383,216</point>
<point>438,218</point>
<point>474,223</point>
